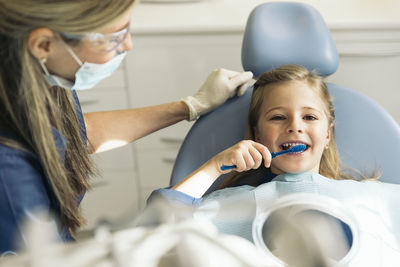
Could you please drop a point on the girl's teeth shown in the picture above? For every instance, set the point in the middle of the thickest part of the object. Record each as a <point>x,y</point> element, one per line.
<point>289,145</point>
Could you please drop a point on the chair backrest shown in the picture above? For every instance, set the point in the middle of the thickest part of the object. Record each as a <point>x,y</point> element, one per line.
<point>293,33</point>
<point>281,33</point>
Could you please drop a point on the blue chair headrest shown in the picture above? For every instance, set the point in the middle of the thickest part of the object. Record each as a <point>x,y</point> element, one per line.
<point>281,33</point>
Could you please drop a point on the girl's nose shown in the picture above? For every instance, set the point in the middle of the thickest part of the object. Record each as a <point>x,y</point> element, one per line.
<point>294,130</point>
<point>295,126</point>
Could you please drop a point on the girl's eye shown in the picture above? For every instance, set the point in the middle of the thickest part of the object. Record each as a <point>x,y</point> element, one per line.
<point>310,117</point>
<point>277,118</point>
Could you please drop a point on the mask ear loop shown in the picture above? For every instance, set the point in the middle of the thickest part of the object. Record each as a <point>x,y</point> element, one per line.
<point>42,62</point>
<point>69,50</point>
<point>72,54</point>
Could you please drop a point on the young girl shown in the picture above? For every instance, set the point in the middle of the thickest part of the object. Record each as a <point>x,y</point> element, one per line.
<point>289,106</point>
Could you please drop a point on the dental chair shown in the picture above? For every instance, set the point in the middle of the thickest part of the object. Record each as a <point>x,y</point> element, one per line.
<point>280,33</point>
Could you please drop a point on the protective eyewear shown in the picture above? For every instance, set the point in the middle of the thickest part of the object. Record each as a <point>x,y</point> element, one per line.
<point>103,42</point>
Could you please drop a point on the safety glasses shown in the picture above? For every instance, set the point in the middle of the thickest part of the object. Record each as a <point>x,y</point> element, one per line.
<point>103,42</point>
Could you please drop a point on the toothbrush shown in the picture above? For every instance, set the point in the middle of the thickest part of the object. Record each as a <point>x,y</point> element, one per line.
<point>293,149</point>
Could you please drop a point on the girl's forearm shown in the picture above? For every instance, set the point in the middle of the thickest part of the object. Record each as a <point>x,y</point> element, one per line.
<point>198,182</point>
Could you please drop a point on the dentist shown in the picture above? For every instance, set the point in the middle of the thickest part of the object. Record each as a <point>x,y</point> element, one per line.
<point>49,49</point>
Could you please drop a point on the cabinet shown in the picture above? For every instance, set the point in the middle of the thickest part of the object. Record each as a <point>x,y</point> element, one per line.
<point>165,68</point>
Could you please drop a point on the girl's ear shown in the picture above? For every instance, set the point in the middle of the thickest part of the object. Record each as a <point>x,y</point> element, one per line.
<point>329,134</point>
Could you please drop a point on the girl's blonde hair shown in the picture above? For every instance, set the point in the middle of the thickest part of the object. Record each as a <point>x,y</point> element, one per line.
<point>330,161</point>
<point>29,109</point>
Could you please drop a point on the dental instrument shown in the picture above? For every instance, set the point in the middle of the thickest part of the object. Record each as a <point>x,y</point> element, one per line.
<point>293,149</point>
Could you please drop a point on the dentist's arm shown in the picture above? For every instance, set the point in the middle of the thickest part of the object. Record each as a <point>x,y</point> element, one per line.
<point>245,155</point>
<point>111,129</point>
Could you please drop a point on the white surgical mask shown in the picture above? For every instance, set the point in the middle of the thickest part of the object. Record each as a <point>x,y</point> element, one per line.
<point>88,75</point>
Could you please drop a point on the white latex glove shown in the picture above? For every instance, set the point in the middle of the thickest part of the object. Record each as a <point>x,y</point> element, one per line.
<point>219,86</point>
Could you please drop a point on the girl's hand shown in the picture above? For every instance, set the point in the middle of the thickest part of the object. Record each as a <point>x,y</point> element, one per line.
<point>245,155</point>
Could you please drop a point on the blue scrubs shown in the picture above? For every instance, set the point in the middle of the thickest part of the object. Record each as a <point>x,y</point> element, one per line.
<point>24,189</point>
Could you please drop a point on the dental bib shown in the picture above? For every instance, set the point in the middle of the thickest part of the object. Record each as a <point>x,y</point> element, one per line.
<point>370,208</point>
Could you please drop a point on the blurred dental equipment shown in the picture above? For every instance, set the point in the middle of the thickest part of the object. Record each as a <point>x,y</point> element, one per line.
<point>188,243</point>
<point>354,226</point>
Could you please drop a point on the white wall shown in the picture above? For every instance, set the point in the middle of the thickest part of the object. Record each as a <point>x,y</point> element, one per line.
<point>206,14</point>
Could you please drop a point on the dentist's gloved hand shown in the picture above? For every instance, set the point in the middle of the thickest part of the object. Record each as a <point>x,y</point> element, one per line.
<point>219,86</point>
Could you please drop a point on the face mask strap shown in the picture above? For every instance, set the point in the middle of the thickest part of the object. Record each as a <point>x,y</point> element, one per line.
<point>42,62</point>
<point>72,54</point>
